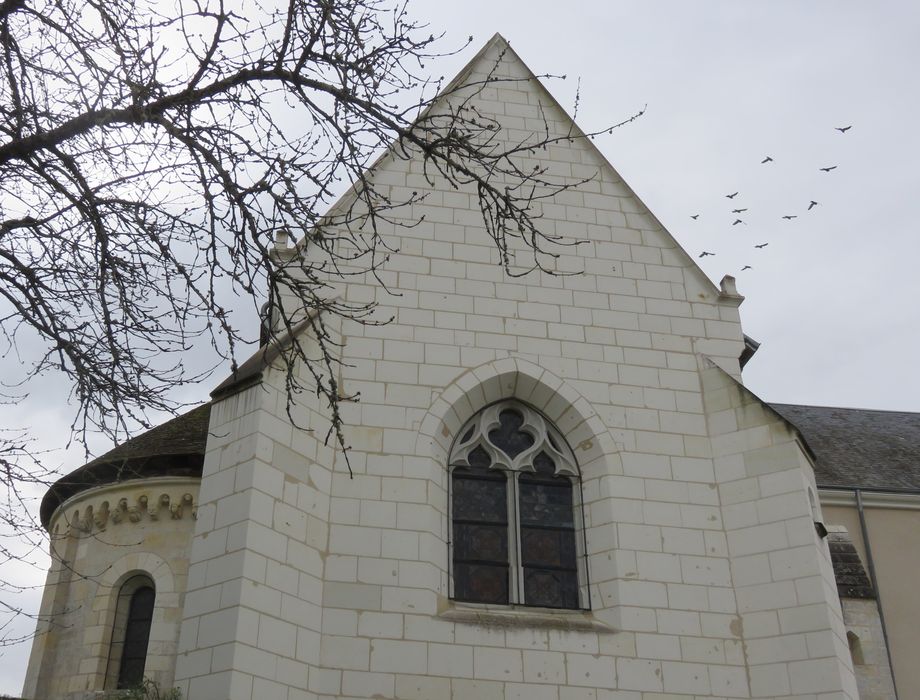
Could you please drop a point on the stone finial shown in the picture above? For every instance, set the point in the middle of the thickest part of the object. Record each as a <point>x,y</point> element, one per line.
<point>728,286</point>
<point>729,290</point>
<point>281,239</point>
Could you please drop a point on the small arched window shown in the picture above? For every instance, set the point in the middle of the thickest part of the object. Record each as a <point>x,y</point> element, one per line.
<point>856,650</point>
<point>515,516</point>
<point>131,633</point>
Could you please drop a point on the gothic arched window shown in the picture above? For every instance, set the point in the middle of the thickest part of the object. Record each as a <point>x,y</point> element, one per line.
<point>515,516</point>
<point>131,633</point>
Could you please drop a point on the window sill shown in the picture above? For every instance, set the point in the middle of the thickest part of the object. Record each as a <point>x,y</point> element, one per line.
<point>523,616</point>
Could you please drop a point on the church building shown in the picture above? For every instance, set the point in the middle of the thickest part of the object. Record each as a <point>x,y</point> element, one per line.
<point>558,488</point>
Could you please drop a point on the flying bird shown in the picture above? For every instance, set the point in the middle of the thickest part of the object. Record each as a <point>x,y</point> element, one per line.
<point>705,253</point>
<point>762,245</point>
<point>768,159</point>
<point>843,129</point>
<point>827,170</point>
<point>738,211</point>
<point>736,222</point>
<point>790,217</point>
<point>694,216</point>
<point>732,195</point>
<point>812,205</point>
<point>746,267</point>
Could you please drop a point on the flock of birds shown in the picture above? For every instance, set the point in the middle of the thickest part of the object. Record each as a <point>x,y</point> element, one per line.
<point>738,212</point>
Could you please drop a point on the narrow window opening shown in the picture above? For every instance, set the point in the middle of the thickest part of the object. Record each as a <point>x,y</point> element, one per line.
<point>481,565</point>
<point>856,650</point>
<point>548,557</point>
<point>131,633</point>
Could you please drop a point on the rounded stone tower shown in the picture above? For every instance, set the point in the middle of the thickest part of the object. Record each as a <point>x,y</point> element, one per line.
<point>120,531</point>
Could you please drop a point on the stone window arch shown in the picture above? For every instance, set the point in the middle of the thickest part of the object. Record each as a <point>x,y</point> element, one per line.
<point>517,531</point>
<point>131,632</point>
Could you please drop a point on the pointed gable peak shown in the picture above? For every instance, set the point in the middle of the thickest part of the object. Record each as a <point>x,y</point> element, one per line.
<point>496,61</point>
<point>513,67</point>
<point>484,62</point>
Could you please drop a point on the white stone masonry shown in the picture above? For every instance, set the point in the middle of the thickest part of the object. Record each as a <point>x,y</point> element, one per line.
<point>706,576</point>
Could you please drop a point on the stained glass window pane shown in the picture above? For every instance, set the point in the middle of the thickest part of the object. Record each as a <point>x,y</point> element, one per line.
<point>474,542</point>
<point>546,501</point>
<point>481,583</point>
<point>548,552</point>
<point>480,535</point>
<point>550,588</point>
<point>480,500</point>
<point>479,458</point>
<point>543,464</point>
<point>548,547</point>
<point>508,436</point>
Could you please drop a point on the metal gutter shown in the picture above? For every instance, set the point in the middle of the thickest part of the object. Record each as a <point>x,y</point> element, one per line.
<point>871,499</point>
<point>870,564</point>
<point>872,489</point>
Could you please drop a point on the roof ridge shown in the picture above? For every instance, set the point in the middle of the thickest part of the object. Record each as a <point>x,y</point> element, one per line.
<point>843,408</point>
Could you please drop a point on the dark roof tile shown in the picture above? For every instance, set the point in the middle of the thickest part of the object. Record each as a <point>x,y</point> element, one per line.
<point>175,448</point>
<point>851,577</point>
<point>858,447</point>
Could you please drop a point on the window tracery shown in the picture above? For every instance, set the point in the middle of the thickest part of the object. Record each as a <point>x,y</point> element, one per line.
<point>514,486</point>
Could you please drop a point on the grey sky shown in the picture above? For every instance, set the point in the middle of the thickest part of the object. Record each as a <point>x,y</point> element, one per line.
<point>834,297</point>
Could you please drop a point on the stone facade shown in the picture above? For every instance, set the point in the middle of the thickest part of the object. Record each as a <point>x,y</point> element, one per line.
<point>706,578</point>
<point>99,539</point>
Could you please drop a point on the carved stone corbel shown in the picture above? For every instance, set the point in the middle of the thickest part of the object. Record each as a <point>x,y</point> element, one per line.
<point>135,512</point>
<point>102,515</point>
<point>102,512</point>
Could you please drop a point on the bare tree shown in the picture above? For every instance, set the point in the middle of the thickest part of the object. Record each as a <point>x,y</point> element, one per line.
<point>150,151</point>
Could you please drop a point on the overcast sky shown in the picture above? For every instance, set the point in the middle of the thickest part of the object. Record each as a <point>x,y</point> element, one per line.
<point>834,296</point>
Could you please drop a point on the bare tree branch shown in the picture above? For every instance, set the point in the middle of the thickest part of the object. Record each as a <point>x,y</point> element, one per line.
<point>150,152</point>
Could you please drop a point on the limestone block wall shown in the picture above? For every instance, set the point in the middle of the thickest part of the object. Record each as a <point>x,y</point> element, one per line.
<point>253,611</point>
<point>99,539</point>
<point>308,581</point>
<point>661,600</point>
<point>609,355</point>
<point>789,614</point>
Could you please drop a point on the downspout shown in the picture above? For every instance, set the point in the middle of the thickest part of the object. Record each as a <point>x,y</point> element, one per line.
<point>864,530</point>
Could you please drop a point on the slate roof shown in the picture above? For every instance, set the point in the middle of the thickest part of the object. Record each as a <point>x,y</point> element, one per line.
<point>250,372</point>
<point>851,577</point>
<point>858,447</point>
<point>175,448</point>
